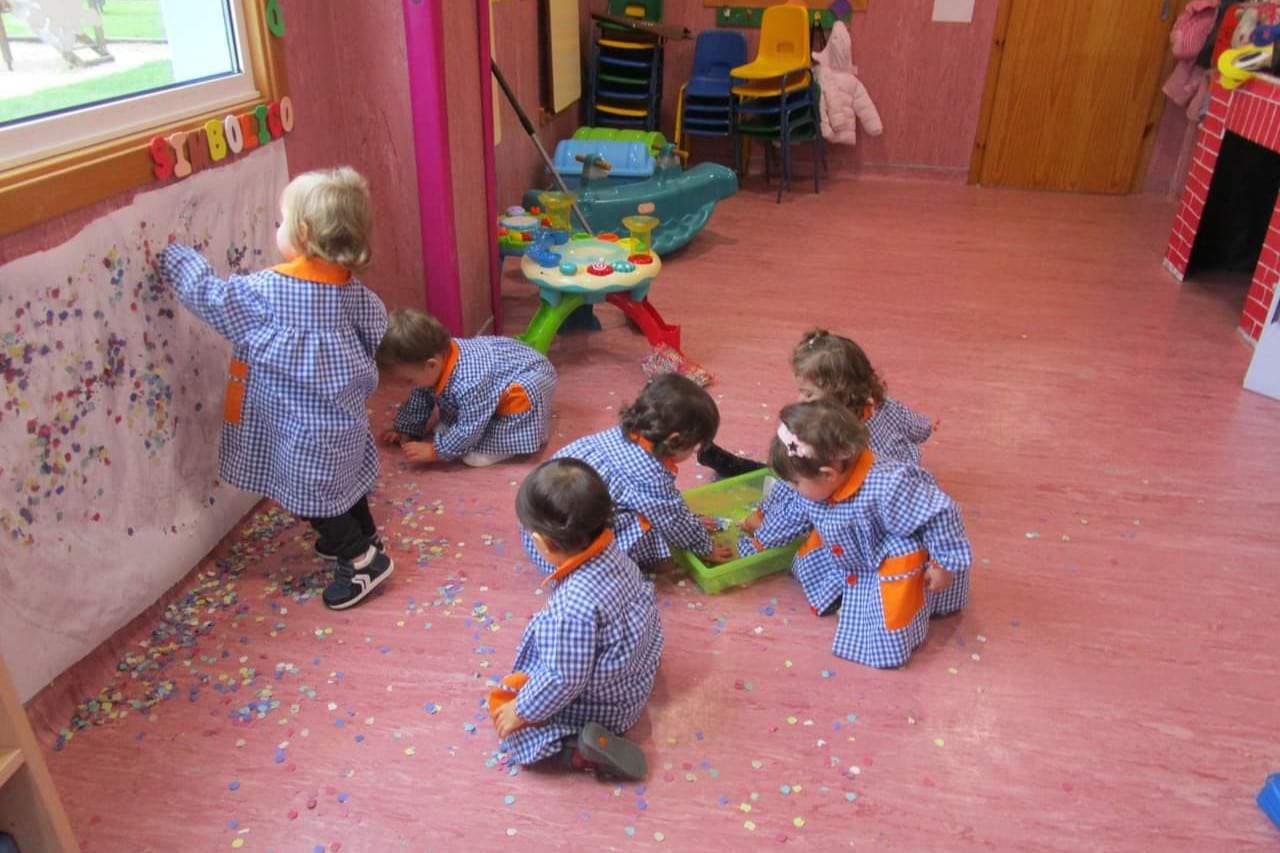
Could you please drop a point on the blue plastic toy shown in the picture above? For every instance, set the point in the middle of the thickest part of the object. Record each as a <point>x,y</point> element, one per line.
<point>1269,798</point>
<point>683,199</point>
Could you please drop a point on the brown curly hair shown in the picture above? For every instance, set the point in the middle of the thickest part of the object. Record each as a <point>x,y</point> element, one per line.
<point>839,368</point>
<point>671,403</point>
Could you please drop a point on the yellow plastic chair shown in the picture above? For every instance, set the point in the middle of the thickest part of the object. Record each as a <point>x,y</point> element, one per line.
<point>783,51</point>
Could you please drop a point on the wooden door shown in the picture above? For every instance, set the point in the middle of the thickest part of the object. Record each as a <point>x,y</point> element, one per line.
<point>1073,102</point>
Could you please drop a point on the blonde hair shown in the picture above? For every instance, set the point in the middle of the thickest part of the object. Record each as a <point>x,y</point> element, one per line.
<point>328,215</point>
<point>412,337</point>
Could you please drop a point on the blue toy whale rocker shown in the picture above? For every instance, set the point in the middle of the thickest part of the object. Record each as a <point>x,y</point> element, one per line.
<point>615,177</point>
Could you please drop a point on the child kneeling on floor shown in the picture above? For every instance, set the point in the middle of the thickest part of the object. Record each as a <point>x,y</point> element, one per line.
<point>304,333</point>
<point>586,664</point>
<point>884,539</point>
<point>480,400</point>
<point>638,461</point>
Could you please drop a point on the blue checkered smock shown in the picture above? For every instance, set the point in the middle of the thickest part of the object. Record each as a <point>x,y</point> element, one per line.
<point>591,655</point>
<point>303,438</point>
<point>486,368</point>
<point>640,485</point>
<point>897,431</point>
<point>413,414</point>
<point>897,510</point>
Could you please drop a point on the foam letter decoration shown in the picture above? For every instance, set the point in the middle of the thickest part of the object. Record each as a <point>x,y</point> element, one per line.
<point>235,139</point>
<point>264,133</point>
<point>162,157</point>
<point>179,142</point>
<point>198,150</point>
<point>248,131</point>
<point>286,113</point>
<point>217,140</point>
<point>273,121</point>
<point>275,18</point>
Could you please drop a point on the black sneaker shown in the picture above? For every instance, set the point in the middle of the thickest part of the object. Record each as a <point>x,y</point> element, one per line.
<point>352,581</point>
<point>612,756</point>
<point>326,552</point>
<point>724,463</point>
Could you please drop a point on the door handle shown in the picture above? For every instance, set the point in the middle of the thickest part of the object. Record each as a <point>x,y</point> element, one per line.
<point>1166,9</point>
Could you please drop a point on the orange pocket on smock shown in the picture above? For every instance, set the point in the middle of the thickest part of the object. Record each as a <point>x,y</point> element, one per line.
<point>514,400</point>
<point>903,596</point>
<point>237,381</point>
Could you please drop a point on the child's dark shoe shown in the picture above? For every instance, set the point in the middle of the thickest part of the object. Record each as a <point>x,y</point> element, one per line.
<point>608,754</point>
<point>724,463</point>
<point>326,551</point>
<point>352,582</point>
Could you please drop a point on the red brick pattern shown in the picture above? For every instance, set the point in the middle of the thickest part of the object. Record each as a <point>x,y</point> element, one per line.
<point>1252,111</point>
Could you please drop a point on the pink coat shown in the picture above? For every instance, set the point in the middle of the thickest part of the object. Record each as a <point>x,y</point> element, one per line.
<point>845,101</point>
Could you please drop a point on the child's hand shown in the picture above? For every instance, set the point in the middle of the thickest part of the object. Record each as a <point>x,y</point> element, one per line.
<point>420,451</point>
<point>722,553</point>
<point>392,437</point>
<point>506,720</point>
<point>752,522</point>
<point>710,524</point>
<point>936,578</point>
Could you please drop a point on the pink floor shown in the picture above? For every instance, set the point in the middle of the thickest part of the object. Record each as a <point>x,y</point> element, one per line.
<point>1113,686</point>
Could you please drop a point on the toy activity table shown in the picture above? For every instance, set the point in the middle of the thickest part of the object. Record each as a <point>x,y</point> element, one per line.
<point>585,270</point>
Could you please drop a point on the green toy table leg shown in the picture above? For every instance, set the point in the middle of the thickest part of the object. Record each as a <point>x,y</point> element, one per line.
<point>546,322</point>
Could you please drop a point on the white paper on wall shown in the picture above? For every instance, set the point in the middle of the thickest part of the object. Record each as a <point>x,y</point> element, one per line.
<point>953,11</point>
<point>111,415</point>
<point>1264,371</point>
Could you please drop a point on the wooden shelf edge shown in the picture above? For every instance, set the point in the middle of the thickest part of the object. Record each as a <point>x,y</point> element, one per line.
<point>10,762</point>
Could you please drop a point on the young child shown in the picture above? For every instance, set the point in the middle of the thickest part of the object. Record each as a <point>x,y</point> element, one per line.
<point>586,664</point>
<point>480,400</point>
<point>639,459</point>
<point>304,334</point>
<point>887,538</point>
<point>834,367</point>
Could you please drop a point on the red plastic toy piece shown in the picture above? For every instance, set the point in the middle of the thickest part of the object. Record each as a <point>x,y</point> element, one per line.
<point>600,269</point>
<point>608,237</point>
<point>647,318</point>
<point>526,236</point>
<point>641,259</point>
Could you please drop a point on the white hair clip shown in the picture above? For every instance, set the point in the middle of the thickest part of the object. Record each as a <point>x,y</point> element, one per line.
<point>793,444</point>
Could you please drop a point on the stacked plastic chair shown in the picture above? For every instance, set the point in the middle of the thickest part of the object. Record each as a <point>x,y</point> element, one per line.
<point>775,95</point>
<point>626,70</point>
<point>705,107</point>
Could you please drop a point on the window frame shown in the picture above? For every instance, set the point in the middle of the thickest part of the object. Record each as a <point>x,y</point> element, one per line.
<point>41,189</point>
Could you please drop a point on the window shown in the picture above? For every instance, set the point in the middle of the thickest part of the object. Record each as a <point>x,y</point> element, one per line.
<point>91,82</point>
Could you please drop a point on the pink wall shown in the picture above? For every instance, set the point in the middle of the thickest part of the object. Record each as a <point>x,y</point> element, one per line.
<point>515,25</point>
<point>471,211</point>
<point>347,77</point>
<point>925,78</point>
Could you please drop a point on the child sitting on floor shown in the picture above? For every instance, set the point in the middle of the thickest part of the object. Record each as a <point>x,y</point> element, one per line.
<point>480,400</point>
<point>304,334</point>
<point>884,537</point>
<point>587,661</point>
<point>638,461</point>
<point>828,366</point>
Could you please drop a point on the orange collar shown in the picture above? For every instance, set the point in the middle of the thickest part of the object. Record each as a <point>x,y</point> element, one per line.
<point>314,269</point>
<point>853,482</point>
<point>604,540</point>
<point>868,412</point>
<point>450,363</point>
<point>647,446</point>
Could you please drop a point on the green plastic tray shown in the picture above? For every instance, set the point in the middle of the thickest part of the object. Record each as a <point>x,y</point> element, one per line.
<point>734,499</point>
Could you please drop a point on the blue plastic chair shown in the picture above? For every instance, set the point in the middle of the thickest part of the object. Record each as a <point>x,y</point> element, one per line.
<point>716,52</point>
<point>705,107</point>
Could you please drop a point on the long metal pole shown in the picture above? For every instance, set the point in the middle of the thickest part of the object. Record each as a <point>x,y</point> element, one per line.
<point>533,134</point>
